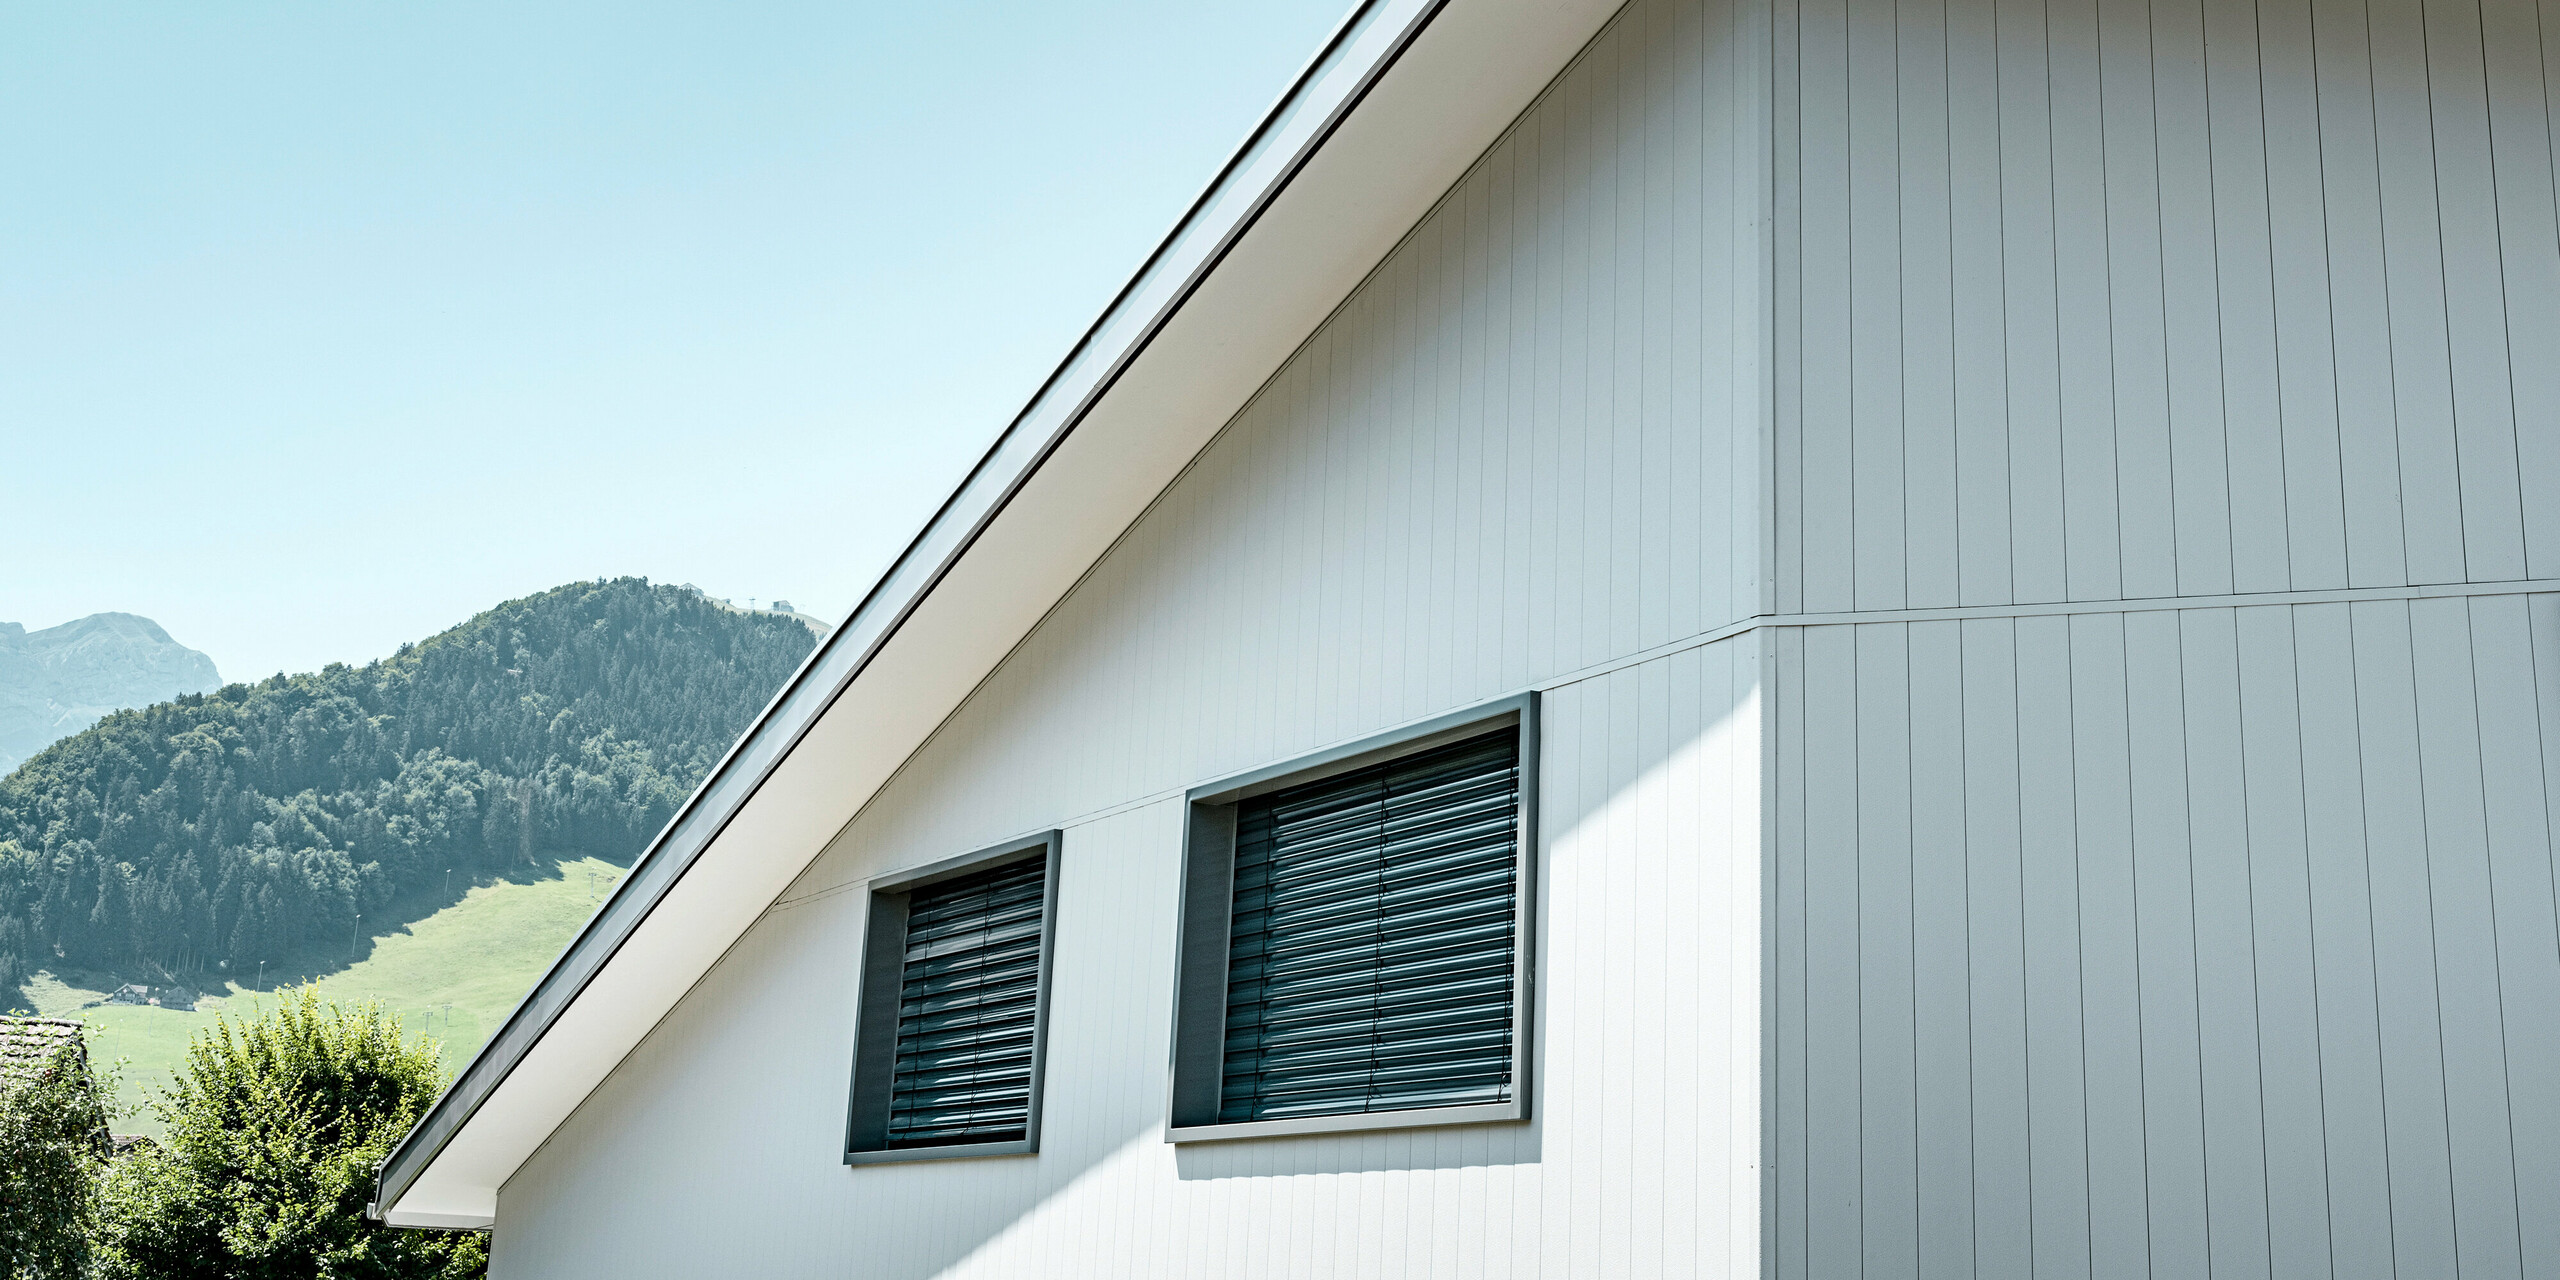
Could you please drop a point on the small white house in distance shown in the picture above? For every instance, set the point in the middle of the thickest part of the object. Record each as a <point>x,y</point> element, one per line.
<point>1793,638</point>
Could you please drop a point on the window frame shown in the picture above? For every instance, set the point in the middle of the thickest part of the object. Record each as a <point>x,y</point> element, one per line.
<point>1203,949</point>
<point>877,999</point>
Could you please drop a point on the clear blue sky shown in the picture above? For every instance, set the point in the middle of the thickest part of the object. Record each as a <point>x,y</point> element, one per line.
<point>323,326</point>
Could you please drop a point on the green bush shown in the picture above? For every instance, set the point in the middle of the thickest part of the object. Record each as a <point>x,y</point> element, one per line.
<point>274,1128</point>
<point>53,1127</point>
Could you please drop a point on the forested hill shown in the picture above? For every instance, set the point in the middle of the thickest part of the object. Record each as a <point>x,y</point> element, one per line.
<point>253,823</point>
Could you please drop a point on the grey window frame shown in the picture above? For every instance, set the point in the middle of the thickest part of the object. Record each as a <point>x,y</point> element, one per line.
<point>875,1035</point>
<point>1201,947</point>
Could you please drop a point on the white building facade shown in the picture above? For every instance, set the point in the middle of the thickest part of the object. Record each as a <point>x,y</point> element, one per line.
<point>2030,534</point>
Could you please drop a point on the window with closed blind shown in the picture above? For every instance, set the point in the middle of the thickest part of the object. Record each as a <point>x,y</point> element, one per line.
<point>1356,936</point>
<point>949,1036</point>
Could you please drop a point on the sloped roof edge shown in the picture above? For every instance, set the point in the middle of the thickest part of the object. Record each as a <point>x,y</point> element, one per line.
<point>1334,85</point>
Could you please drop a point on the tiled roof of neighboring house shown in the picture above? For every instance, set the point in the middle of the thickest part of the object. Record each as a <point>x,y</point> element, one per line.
<point>27,1044</point>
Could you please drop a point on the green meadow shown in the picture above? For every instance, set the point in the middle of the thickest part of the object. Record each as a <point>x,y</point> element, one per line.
<point>451,977</point>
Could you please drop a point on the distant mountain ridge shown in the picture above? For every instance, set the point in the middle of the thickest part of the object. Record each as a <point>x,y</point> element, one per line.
<point>281,821</point>
<point>59,681</point>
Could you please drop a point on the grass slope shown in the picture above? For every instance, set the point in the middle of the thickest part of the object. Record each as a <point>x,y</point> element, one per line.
<point>452,976</point>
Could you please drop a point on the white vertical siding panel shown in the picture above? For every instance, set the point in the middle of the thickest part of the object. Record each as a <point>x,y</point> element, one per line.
<point>2230,1123</point>
<point>2482,403</point>
<point>1976,310</point>
<point>1502,534</point>
<point>1932,557</point>
<point>1728,309</point>
<point>1610,340</point>
<point>1669,152</point>
<point>2056,1118</point>
<point>1438,656</point>
<point>2470,1005</point>
<point>2093,553</point>
<point>1337,422</point>
<point>1391,460</point>
<point>2029,277</point>
<point>1741,334</point>
<point>1456,531</point>
<point>1515,365</point>
<point>1581,411</point>
<point>2406,978</point>
<point>2136,322</point>
<point>1791,325</point>
<point>2413,256</point>
<point>2166,901</point>
<point>2110,952</point>
<point>1689,1066</point>
<point>1690,498</point>
<point>1579,873</point>
<point>1730,794</point>
<point>2521,130</point>
<point>2342,909</point>
<point>1825,373</point>
<point>2247,369</point>
<point>1834,1156</point>
<point>1619,927</point>
<point>2002,1151</point>
<point>1791,983</point>
<point>1873,337</point>
<point>2515,758</point>
<point>2291,1089</point>
<point>1941,988</point>
<point>1880,827</point>
<point>1642,887</point>
<point>2306,338</point>
<point>1634,289</point>
<point>2359,295</point>
<point>2190,321</point>
<point>1559,221</point>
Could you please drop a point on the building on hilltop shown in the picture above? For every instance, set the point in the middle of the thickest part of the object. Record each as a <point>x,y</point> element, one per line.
<point>1796,638</point>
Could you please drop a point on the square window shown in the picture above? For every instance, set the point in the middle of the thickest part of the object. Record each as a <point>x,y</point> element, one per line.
<point>1356,936</point>
<point>954,1001</point>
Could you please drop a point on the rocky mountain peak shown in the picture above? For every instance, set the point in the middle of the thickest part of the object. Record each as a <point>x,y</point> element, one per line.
<point>58,681</point>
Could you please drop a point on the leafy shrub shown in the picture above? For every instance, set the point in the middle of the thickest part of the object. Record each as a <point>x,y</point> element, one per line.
<point>53,1129</point>
<point>275,1125</point>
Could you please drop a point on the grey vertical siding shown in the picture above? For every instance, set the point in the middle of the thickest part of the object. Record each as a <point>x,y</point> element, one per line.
<point>2205,941</point>
<point>2099,299</point>
<point>2189,941</point>
<point>1525,454</point>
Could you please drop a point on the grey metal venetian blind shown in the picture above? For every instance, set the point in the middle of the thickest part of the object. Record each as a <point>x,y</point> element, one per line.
<point>968,998</point>
<point>1370,966</point>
